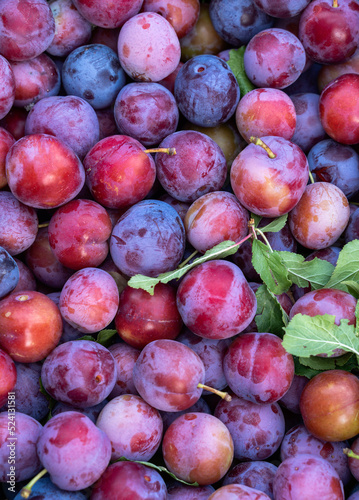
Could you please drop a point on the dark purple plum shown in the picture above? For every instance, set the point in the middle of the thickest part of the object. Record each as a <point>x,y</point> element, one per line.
<point>206,91</point>
<point>199,406</point>
<point>92,412</point>
<point>199,167</point>
<point>237,22</point>
<point>69,118</point>
<point>282,8</point>
<point>94,73</point>
<point>331,161</point>
<point>309,130</point>
<point>44,489</point>
<point>146,111</point>
<point>125,358</point>
<point>9,273</point>
<point>149,238</point>
<point>178,491</point>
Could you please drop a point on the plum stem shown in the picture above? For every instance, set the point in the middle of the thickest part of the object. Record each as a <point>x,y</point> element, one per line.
<point>45,224</point>
<point>169,151</point>
<point>311,177</point>
<point>26,490</point>
<point>265,239</point>
<point>258,142</point>
<point>350,453</point>
<point>193,254</point>
<point>223,395</point>
<point>335,3</point>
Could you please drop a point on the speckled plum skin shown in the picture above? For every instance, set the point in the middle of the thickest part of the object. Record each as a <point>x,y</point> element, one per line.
<point>341,94</point>
<point>7,87</point>
<point>215,300</point>
<point>149,239</point>
<point>146,111</point>
<point>43,172</point>
<point>258,475</point>
<point>274,58</point>
<point>142,318</point>
<point>320,217</point>
<point>256,430</point>
<point>93,72</point>
<point>71,29</point>
<point>35,79</point>
<point>266,111</point>
<point>133,427</point>
<point>64,442</point>
<point>181,14</point>
<point>266,186</point>
<point>300,476</point>
<point>258,368</point>
<point>134,480</point>
<point>213,218</point>
<point>89,300</point>
<point>206,91</point>
<point>166,375</point>
<point>18,224</point>
<point>330,161</point>
<point>118,172</point>
<point>199,166</point>
<point>27,28</point>
<point>148,47</point>
<point>329,33</point>
<point>32,329</point>
<point>8,376</point>
<point>86,243</point>
<point>68,118</point>
<point>27,431</point>
<point>81,373</point>
<point>198,447</point>
<point>299,440</point>
<point>108,14</point>
<point>233,491</point>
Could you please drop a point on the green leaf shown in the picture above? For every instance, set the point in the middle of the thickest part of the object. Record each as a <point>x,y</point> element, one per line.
<point>351,287</point>
<point>87,337</point>
<point>237,66</point>
<point>105,336</point>
<point>309,336</point>
<point>347,267</point>
<point>309,367</point>
<point>276,225</point>
<point>315,272</point>
<point>270,316</point>
<point>219,251</point>
<point>302,370</point>
<point>158,468</point>
<point>318,363</point>
<point>270,268</point>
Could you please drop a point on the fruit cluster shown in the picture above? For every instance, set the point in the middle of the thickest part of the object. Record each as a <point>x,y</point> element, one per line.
<point>179,249</point>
